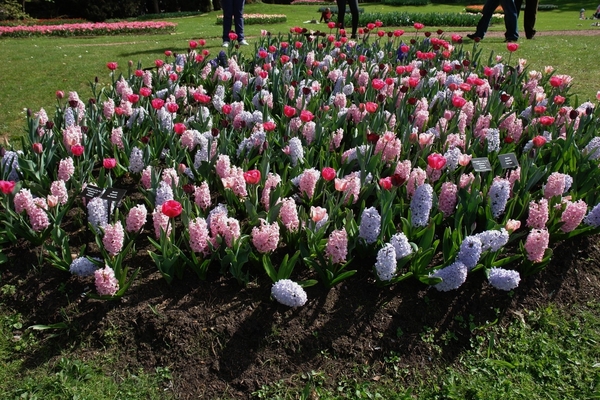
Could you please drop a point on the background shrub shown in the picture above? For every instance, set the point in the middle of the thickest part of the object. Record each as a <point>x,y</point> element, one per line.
<point>429,19</point>
<point>406,2</point>
<point>11,9</point>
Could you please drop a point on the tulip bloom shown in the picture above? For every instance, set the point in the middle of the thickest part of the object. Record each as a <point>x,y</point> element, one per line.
<point>328,173</point>
<point>109,163</point>
<point>77,150</point>
<point>546,120</point>
<point>179,128</point>
<point>306,116</point>
<point>289,111</point>
<point>112,65</point>
<point>371,107</point>
<point>157,104</point>
<point>252,177</point>
<point>539,141</point>
<point>436,161</point>
<point>171,208</point>
<point>37,148</point>
<point>7,187</point>
<point>386,183</point>
<point>512,47</point>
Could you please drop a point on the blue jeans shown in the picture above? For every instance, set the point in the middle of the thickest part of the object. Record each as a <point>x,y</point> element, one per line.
<point>510,18</point>
<point>233,10</point>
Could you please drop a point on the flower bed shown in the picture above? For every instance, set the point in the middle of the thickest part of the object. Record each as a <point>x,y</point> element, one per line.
<point>88,29</point>
<point>254,19</point>
<point>33,21</point>
<point>307,160</point>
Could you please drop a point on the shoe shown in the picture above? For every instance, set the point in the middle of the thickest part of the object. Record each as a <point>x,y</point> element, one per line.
<point>244,43</point>
<point>474,37</point>
<point>531,35</point>
<point>225,44</point>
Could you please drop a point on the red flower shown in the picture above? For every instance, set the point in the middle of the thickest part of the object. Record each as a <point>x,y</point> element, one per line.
<point>386,183</point>
<point>133,98</point>
<point>157,104</point>
<point>77,150</point>
<point>60,94</point>
<point>546,120</point>
<point>328,174</point>
<point>179,128</point>
<point>372,138</point>
<point>38,148</point>
<point>371,107</point>
<point>298,45</point>
<point>504,97</point>
<point>263,53</point>
<point>232,36</point>
<point>109,163</point>
<point>226,109</point>
<point>559,100</point>
<point>112,65</point>
<point>252,177</point>
<point>398,32</point>
<point>555,81</point>
<point>512,47</point>
<point>397,179</point>
<point>145,91</point>
<point>202,98</point>
<point>139,73</point>
<point>193,44</point>
<point>168,53</point>
<point>306,116</point>
<point>418,25</point>
<point>159,63</point>
<point>269,126</point>
<point>458,101</point>
<point>7,187</point>
<point>377,84</point>
<point>539,141</point>
<point>331,25</point>
<point>171,208</point>
<point>172,107</point>
<point>201,42</point>
<point>436,161</point>
<point>289,111</point>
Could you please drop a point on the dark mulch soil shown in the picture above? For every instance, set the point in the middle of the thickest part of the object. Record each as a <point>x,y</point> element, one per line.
<point>220,340</point>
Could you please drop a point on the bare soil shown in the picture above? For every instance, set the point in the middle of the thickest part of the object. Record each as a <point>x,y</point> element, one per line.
<point>224,341</point>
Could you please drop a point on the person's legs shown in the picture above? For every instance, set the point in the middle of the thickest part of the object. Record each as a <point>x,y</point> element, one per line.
<point>486,16</point>
<point>354,11</point>
<point>529,17</point>
<point>227,6</point>
<point>510,19</point>
<point>341,5</point>
<point>238,18</point>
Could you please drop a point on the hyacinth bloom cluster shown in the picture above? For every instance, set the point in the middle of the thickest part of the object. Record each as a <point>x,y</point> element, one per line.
<point>361,137</point>
<point>82,266</point>
<point>106,282</point>
<point>288,293</point>
<point>504,279</point>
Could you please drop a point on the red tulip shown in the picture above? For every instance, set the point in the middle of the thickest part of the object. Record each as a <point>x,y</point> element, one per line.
<point>172,107</point>
<point>252,177</point>
<point>179,128</point>
<point>60,94</point>
<point>386,183</point>
<point>171,208</point>
<point>378,84</point>
<point>133,98</point>
<point>306,116</point>
<point>328,173</point>
<point>157,104</point>
<point>109,163</point>
<point>512,47</point>
<point>371,107</point>
<point>145,91</point>
<point>269,126</point>
<point>38,148</point>
<point>112,65</point>
<point>159,63</point>
<point>539,141</point>
<point>546,120</point>
<point>7,187</point>
<point>458,101</point>
<point>289,111</point>
<point>77,150</point>
<point>436,161</point>
<point>418,25</point>
<point>202,98</point>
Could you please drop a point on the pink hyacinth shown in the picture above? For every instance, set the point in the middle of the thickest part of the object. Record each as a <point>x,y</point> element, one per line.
<point>308,182</point>
<point>448,198</point>
<point>223,166</point>
<point>403,170</point>
<point>108,108</point>
<point>308,131</point>
<point>231,231</point>
<point>466,180</point>
<point>37,214</point>
<point>389,146</point>
<point>106,282</point>
<point>536,244</point>
<point>58,189</point>
<point>161,222</point>
<point>116,138</point>
<point>71,136</point>
<point>236,182</point>
<point>573,215</point>
<point>272,181</point>
<point>538,214</point>
<point>337,246</point>
<point>146,178</point>
<point>555,185</point>
<point>266,236</point>
<point>136,219</point>
<point>289,214</point>
<point>202,196</point>
<point>169,176</point>
<point>199,235</point>
<point>416,179</point>
<point>66,169</point>
<point>23,200</point>
<point>336,139</point>
<point>114,235</point>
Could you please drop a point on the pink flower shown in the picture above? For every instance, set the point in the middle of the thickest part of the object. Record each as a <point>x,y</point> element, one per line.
<point>146,178</point>
<point>389,146</point>
<point>272,181</point>
<point>114,235</point>
<point>538,214</point>
<point>306,116</point>
<point>58,189</point>
<point>573,215</point>
<point>328,174</point>
<point>7,187</point>
<point>23,200</point>
<point>109,163</point>
<point>512,225</point>
<point>308,182</point>
<point>66,169</point>
<point>136,219</point>
<point>161,223</point>
<point>337,246</point>
<point>106,283</point>
<point>448,198</point>
<point>289,214</point>
<point>199,235</point>
<point>252,177</point>
<point>77,150</point>
<point>266,236</point>
<point>202,196</point>
<point>512,47</point>
<point>112,65</point>
<point>536,244</point>
<point>436,161</point>
<point>386,183</point>
<point>555,185</point>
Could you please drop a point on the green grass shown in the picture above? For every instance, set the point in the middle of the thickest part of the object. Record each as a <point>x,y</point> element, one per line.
<point>33,69</point>
<point>25,373</point>
<point>546,354</point>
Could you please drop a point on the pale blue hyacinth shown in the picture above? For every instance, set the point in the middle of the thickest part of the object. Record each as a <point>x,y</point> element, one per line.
<point>370,225</point>
<point>493,240</point>
<point>498,195</point>
<point>164,192</point>
<point>470,251</point>
<point>453,276</point>
<point>386,262</point>
<point>136,161</point>
<point>401,245</point>
<point>420,205</point>
<point>82,266</point>
<point>504,279</point>
<point>296,151</point>
<point>98,213</point>
<point>593,218</point>
<point>288,293</point>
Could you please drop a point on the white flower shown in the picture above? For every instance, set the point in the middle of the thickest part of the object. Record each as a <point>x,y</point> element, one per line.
<point>288,293</point>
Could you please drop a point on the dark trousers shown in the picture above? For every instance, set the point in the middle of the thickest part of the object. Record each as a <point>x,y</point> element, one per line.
<point>233,9</point>
<point>529,16</point>
<point>341,5</point>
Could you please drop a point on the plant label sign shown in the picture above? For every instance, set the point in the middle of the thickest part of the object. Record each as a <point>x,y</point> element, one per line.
<point>508,160</point>
<point>113,194</point>
<point>91,191</point>
<point>481,164</point>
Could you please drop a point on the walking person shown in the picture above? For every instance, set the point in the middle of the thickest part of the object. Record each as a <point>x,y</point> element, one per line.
<point>233,10</point>
<point>529,16</point>
<point>341,5</point>
<point>510,20</point>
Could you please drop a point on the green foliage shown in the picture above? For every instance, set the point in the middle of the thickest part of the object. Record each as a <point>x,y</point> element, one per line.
<point>253,19</point>
<point>11,9</point>
<point>406,2</point>
<point>428,19</point>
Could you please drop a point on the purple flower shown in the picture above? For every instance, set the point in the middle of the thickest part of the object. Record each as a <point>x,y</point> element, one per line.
<point>470,251</point>
<point>593,217</point>
<point>493,239</point>
<point>401,245</point>
<point>288,293</point>
<point>504,279</point>
<point>499,194</point>
<point>370,225</point>
<point>420,205</point>
<point>386,262</point>
<point>453,276</point>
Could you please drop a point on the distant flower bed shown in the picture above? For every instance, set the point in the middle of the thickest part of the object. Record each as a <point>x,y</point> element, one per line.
<point>87,29</point>
<point>478,8</point>
<point>254,19</point>
<point>317,2</point>
<point>34,21</point>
